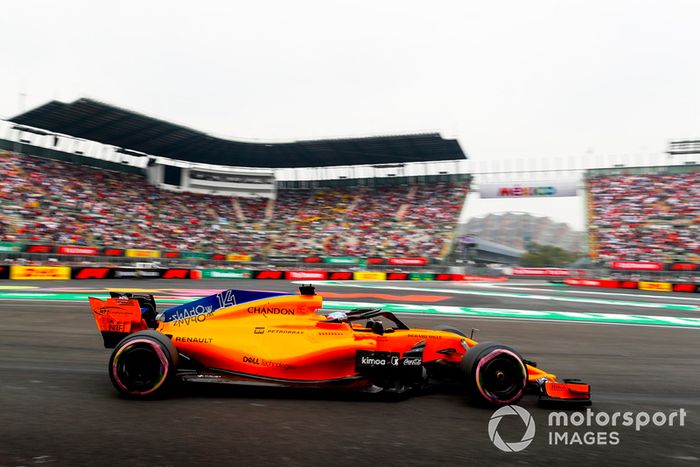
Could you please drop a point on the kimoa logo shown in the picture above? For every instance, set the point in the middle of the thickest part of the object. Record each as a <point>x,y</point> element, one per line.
<point>373,361</point>
<point>376,361</point>
<point>527,419</point>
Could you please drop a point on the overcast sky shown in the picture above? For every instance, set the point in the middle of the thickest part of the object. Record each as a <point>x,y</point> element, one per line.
<point>509,79</point>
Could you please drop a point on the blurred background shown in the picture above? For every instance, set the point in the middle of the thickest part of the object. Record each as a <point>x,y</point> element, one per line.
<point>209,135</point>
<point>531,156</point>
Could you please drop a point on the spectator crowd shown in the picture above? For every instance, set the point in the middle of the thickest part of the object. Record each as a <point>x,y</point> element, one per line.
<point>53,202</point>
<point>654,217</point>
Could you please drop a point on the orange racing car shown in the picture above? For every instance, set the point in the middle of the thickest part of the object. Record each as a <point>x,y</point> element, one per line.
<point>275,338</point>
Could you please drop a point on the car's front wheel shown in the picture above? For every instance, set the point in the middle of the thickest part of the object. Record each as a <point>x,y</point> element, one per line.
<point>495,374</point>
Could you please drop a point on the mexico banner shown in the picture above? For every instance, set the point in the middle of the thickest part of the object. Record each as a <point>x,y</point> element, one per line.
<point>542,189</point>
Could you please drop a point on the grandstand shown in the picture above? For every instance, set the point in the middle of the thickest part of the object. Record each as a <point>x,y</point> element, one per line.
<point>54,202</point>
<point>55,191</point>
<point>645,214</point>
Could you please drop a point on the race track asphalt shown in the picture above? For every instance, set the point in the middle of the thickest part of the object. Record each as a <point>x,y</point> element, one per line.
<point>58,407</point>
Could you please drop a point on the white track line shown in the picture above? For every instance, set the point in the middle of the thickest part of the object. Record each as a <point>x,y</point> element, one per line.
<point>589,292</point>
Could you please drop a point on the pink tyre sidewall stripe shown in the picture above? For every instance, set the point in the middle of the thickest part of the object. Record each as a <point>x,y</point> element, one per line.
<point>161,356</point>
<point>493,354</point>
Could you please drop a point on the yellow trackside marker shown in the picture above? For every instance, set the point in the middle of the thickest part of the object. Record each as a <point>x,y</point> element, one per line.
<point>18,287</point>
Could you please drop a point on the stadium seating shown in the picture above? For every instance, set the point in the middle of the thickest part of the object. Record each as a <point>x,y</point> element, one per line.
<point>653,217</point>
<point>49,201</point>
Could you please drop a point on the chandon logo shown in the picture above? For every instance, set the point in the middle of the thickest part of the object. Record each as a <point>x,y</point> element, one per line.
<point>265,310</point>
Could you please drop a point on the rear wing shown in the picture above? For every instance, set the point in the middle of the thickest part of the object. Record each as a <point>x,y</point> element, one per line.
<point>116,318</point>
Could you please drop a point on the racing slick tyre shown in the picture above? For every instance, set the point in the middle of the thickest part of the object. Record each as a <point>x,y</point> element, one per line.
<point>442,327</point>
<point>143,365</point>
<point>495,374</point>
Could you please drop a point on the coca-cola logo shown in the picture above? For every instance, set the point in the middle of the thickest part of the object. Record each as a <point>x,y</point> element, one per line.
<point>412,361</point>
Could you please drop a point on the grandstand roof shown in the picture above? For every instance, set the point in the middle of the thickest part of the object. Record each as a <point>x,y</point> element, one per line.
<point>107,124</point>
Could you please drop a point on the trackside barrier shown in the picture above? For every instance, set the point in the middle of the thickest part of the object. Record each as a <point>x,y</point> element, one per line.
<point>139,253</point>
<point>410,262</point>
<point>541,272</point>
<point>340,276</point>
<point>22,272</point>
<point>125,273</point>
<point>92,273</point>
<point>80,250</point>
<point>657,286</point>
<point>612,284</point>
<point>132,273</point>
<point>17,272</point>
<point>640,285</point>
<point>636,266</point>
<point>56,273</point>
<point>77,250</point>
<point>275,275</point>
<point>239,258</point>
<point>306,275</point>
<point>10,247</point>
<point>397,276</point>
<point>369,276</point>
<point>226,273</point>
<point>688,288</point>
<point>407,261</point>
<point>472,278</point>
<point>421,276</point>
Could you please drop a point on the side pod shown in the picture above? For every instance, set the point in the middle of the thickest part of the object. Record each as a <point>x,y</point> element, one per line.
<point>116,318</point>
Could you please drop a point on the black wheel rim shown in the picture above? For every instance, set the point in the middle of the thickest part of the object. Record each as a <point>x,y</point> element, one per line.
<point>502,378</point>
<point>139,368</point>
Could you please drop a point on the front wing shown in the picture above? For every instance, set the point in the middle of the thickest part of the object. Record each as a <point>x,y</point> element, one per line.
<point>569,392</point>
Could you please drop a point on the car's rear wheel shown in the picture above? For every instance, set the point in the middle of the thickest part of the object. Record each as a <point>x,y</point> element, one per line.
<point>495,374</point>
<point>143,365</point>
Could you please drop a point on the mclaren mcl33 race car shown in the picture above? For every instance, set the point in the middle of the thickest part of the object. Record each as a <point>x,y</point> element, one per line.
<point>274,338</point>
